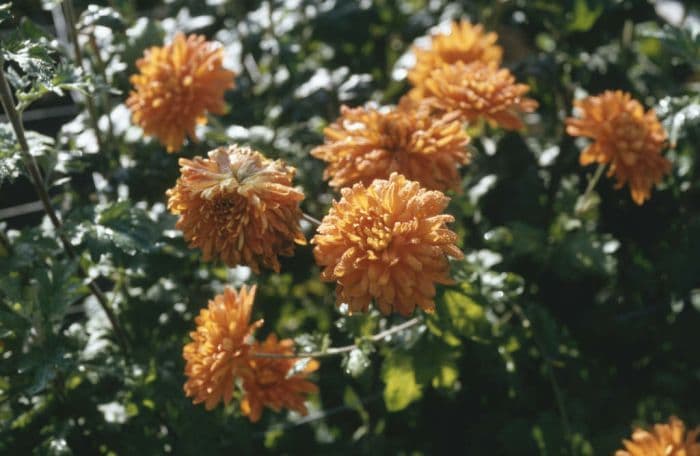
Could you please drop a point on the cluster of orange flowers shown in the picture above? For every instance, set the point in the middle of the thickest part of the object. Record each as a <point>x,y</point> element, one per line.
<point>222,354</point>
<point>386,238</point>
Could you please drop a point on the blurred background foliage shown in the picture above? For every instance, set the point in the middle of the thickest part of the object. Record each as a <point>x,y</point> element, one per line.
<point>571,320</point>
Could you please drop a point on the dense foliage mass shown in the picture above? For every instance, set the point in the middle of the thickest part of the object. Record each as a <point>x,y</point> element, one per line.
<point>350,226</point>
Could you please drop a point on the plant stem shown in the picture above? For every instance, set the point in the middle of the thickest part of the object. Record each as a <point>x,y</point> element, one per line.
<point>40,187</point>
<point>69,15</point>
<point>593,181</point>
<point>558,396</point>
<point>310,219</point>
<point>102,68</point>
<point>334,351</point>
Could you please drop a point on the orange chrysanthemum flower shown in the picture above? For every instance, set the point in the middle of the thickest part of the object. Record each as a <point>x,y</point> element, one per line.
<point>387,241</point>
<point>271,382</point>
<point>219,350</point>
<point>239,206</point>
<point>366,144</point>
<point>464,43</point>
<point>663,440</point>
<point>624,136</point>
<point>176,86</point>
<point>477,90</point>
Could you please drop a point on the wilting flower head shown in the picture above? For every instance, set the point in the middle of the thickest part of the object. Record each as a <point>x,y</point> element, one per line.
<point>219,349</point>
<point>464,43</point>
<point>477,90</point>
<point>273,382</point>
<point>624,136</point>
<point>663,440</point>
<point>366,144</point>
<point>239,206</point>
<point>176,86</point>
<point>387,241</point>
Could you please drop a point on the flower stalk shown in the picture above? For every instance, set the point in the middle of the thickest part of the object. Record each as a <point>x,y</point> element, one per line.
<point>335,351</point>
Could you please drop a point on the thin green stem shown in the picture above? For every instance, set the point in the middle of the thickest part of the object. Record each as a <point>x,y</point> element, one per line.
<point>591,185</point>
<point>102,68</point>
<point>335,351</point>
<point>558,396</point>
<point>40,187</point>
<point>69,15</point>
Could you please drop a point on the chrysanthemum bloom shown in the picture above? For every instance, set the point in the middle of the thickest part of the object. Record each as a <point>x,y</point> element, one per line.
<point>176,86</point>
<point>663,440</point>
<point>219,348</point>
<point>464,43</point>
<point>271,382</point>
<point>239,206</point>
<point>387,241</point>
<point>366,144</point>
<point>477,90</point>
<point>625,137</point>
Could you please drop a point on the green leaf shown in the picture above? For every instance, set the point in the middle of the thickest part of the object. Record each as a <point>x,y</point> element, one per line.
<point>681,42</point>
<point>9,154</point>
<point>401,388</point>
<point>118,225</point>
<point>435,363</point>
<point>678,114</point>
<point>5,12</point>
<point>58,288</point>
<point>463,314</point>
<point>101,15</point>
<point>584,16</point>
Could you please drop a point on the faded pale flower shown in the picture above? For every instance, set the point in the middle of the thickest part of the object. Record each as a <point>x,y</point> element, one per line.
<point>477,91</point>
<point>239,206</point>
<point>272,382</point>
<point>464,43</point>
<point>386,242</point>
<point>624,136</point>
<point>177,85</point>
<point>367,143</point>
<point>663,440</point>
<point>219,349</point>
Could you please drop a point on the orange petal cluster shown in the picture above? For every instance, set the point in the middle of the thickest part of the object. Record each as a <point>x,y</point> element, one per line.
<point>267,381</point>
<point>624,136</point>
<point>219,350</point>
<point>239,206</point>
<point>388,242</point>
<point>464,43</point>
<point>477,90</point>
<point>222,355</point>
<point>663,440</point>
<point>176,86</point>
<point>367,143</point>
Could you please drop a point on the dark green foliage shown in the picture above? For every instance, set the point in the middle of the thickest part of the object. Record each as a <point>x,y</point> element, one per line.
<point>571,320</point>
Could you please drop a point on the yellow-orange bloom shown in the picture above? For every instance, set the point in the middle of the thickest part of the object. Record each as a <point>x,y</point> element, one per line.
<point>625,137</point>
<point>366,144</point>
<point>464,43</point>
<point>239,206</point>
<point>663,440</point>
<point>176,86</point>
<point>219,349</point>
<point>271,382</point>
<point>477,90</point>
<point>387,241</point>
